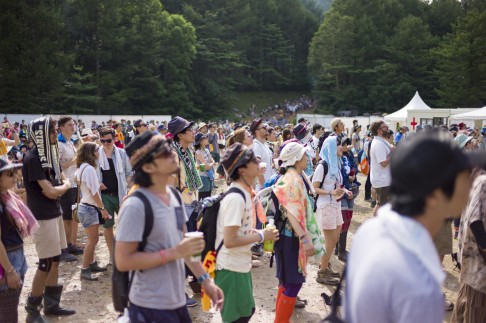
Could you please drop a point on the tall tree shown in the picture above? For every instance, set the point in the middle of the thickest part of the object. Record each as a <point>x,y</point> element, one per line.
<point>33,62</point>
<point>461,63</point>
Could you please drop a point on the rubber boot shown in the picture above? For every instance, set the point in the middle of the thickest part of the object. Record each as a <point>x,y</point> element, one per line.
<point>52,298</point>
<point>343,254</point>
<point>33,307</point>
<point>280,291</point>
<point>285,308</point>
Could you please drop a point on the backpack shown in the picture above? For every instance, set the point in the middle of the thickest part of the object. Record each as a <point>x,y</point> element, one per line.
<point>326,170</point>
<point>122,280</point>
<point>208,215</point>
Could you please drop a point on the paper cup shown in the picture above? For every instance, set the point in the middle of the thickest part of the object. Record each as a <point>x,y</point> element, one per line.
<point>192,235</point>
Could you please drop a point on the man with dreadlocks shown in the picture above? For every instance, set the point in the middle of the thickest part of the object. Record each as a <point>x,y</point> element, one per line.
<point>45,184</point>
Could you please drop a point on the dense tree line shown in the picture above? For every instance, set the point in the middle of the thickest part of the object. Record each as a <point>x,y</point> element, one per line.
<point>373,55</point>
<point>149,56</point>
<point>190,56</point>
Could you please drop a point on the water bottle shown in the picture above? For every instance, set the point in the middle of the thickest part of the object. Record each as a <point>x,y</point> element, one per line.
<point>268,245</point>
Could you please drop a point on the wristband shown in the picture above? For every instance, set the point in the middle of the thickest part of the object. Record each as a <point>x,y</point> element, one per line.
<point>10,271</point>
<point>260,233</point>
<point>163,255</point>
<point>201,279</point>
<point>305,241</point>
<point>302,237</point>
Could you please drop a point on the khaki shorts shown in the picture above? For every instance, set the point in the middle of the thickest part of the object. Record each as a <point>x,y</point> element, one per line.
<point>382,195</point>
<point>49,238</point>
<point>329,217</point>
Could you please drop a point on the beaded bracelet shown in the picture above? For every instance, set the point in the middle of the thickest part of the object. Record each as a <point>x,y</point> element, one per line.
<point>260,233</point>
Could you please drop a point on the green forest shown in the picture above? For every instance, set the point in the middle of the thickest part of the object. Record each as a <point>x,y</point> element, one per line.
<point>192,57</point>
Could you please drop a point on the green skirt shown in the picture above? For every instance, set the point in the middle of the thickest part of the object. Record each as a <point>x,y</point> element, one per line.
<point>238,294</point>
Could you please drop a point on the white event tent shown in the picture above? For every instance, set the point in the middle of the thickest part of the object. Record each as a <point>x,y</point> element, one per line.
<point>401,115</point>
<point>478,114</point>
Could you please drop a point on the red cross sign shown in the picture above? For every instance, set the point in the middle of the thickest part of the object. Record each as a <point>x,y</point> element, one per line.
<point>413,123</point>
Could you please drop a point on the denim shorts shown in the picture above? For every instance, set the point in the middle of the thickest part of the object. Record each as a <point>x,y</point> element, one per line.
<point>347,204</point>
<point>18,261</point>
<point>87,215</point>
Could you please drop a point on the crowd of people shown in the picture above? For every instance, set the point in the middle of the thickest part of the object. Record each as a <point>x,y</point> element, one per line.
<point>418,184</point>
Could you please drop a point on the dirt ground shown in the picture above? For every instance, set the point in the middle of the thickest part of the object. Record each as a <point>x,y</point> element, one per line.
<point>92,300</point>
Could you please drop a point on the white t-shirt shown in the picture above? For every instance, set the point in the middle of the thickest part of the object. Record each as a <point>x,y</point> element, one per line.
<point>330,183</point>
<point>67,152</point>
<point>90,184</point>
<point>265,154</point>
<point>233,211</point>
<point>380,176</point>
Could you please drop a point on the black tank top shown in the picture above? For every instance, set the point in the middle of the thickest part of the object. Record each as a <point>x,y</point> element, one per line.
<point>10,235</point>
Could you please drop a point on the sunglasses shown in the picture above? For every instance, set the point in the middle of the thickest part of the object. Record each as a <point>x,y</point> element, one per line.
<point>143,125</point>
<point>108,141</point>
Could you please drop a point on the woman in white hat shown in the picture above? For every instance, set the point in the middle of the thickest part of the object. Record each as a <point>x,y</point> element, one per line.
<point>300,237</point>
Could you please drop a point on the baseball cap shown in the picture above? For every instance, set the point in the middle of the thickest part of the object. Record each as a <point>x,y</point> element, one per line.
<point>255,124</point>
<point>300,131</point>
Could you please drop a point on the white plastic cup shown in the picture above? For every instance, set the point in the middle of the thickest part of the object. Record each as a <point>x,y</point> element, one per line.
<point>262,165</point>
<point>192,235</point>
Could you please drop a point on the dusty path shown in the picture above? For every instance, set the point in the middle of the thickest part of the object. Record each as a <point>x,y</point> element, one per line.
<point>92,300</point>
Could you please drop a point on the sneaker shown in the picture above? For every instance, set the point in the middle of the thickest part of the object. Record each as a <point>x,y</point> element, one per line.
<point>333,273</point>
<point>94,267</point>
<point>324,277</point>
<point>190,302</point>
<point>67,257</point>
<point>300,303</point>
<point>257,250</point>
<point>373,204</point>
<point>73,250</point>
<point>86,275</point>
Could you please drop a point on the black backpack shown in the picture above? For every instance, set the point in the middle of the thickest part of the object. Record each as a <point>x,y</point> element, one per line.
<point>122,280</point>
<point>326,170</point>
<point>209,214</point>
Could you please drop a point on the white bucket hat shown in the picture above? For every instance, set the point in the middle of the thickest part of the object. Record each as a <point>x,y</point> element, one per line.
<point>291,153</point>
